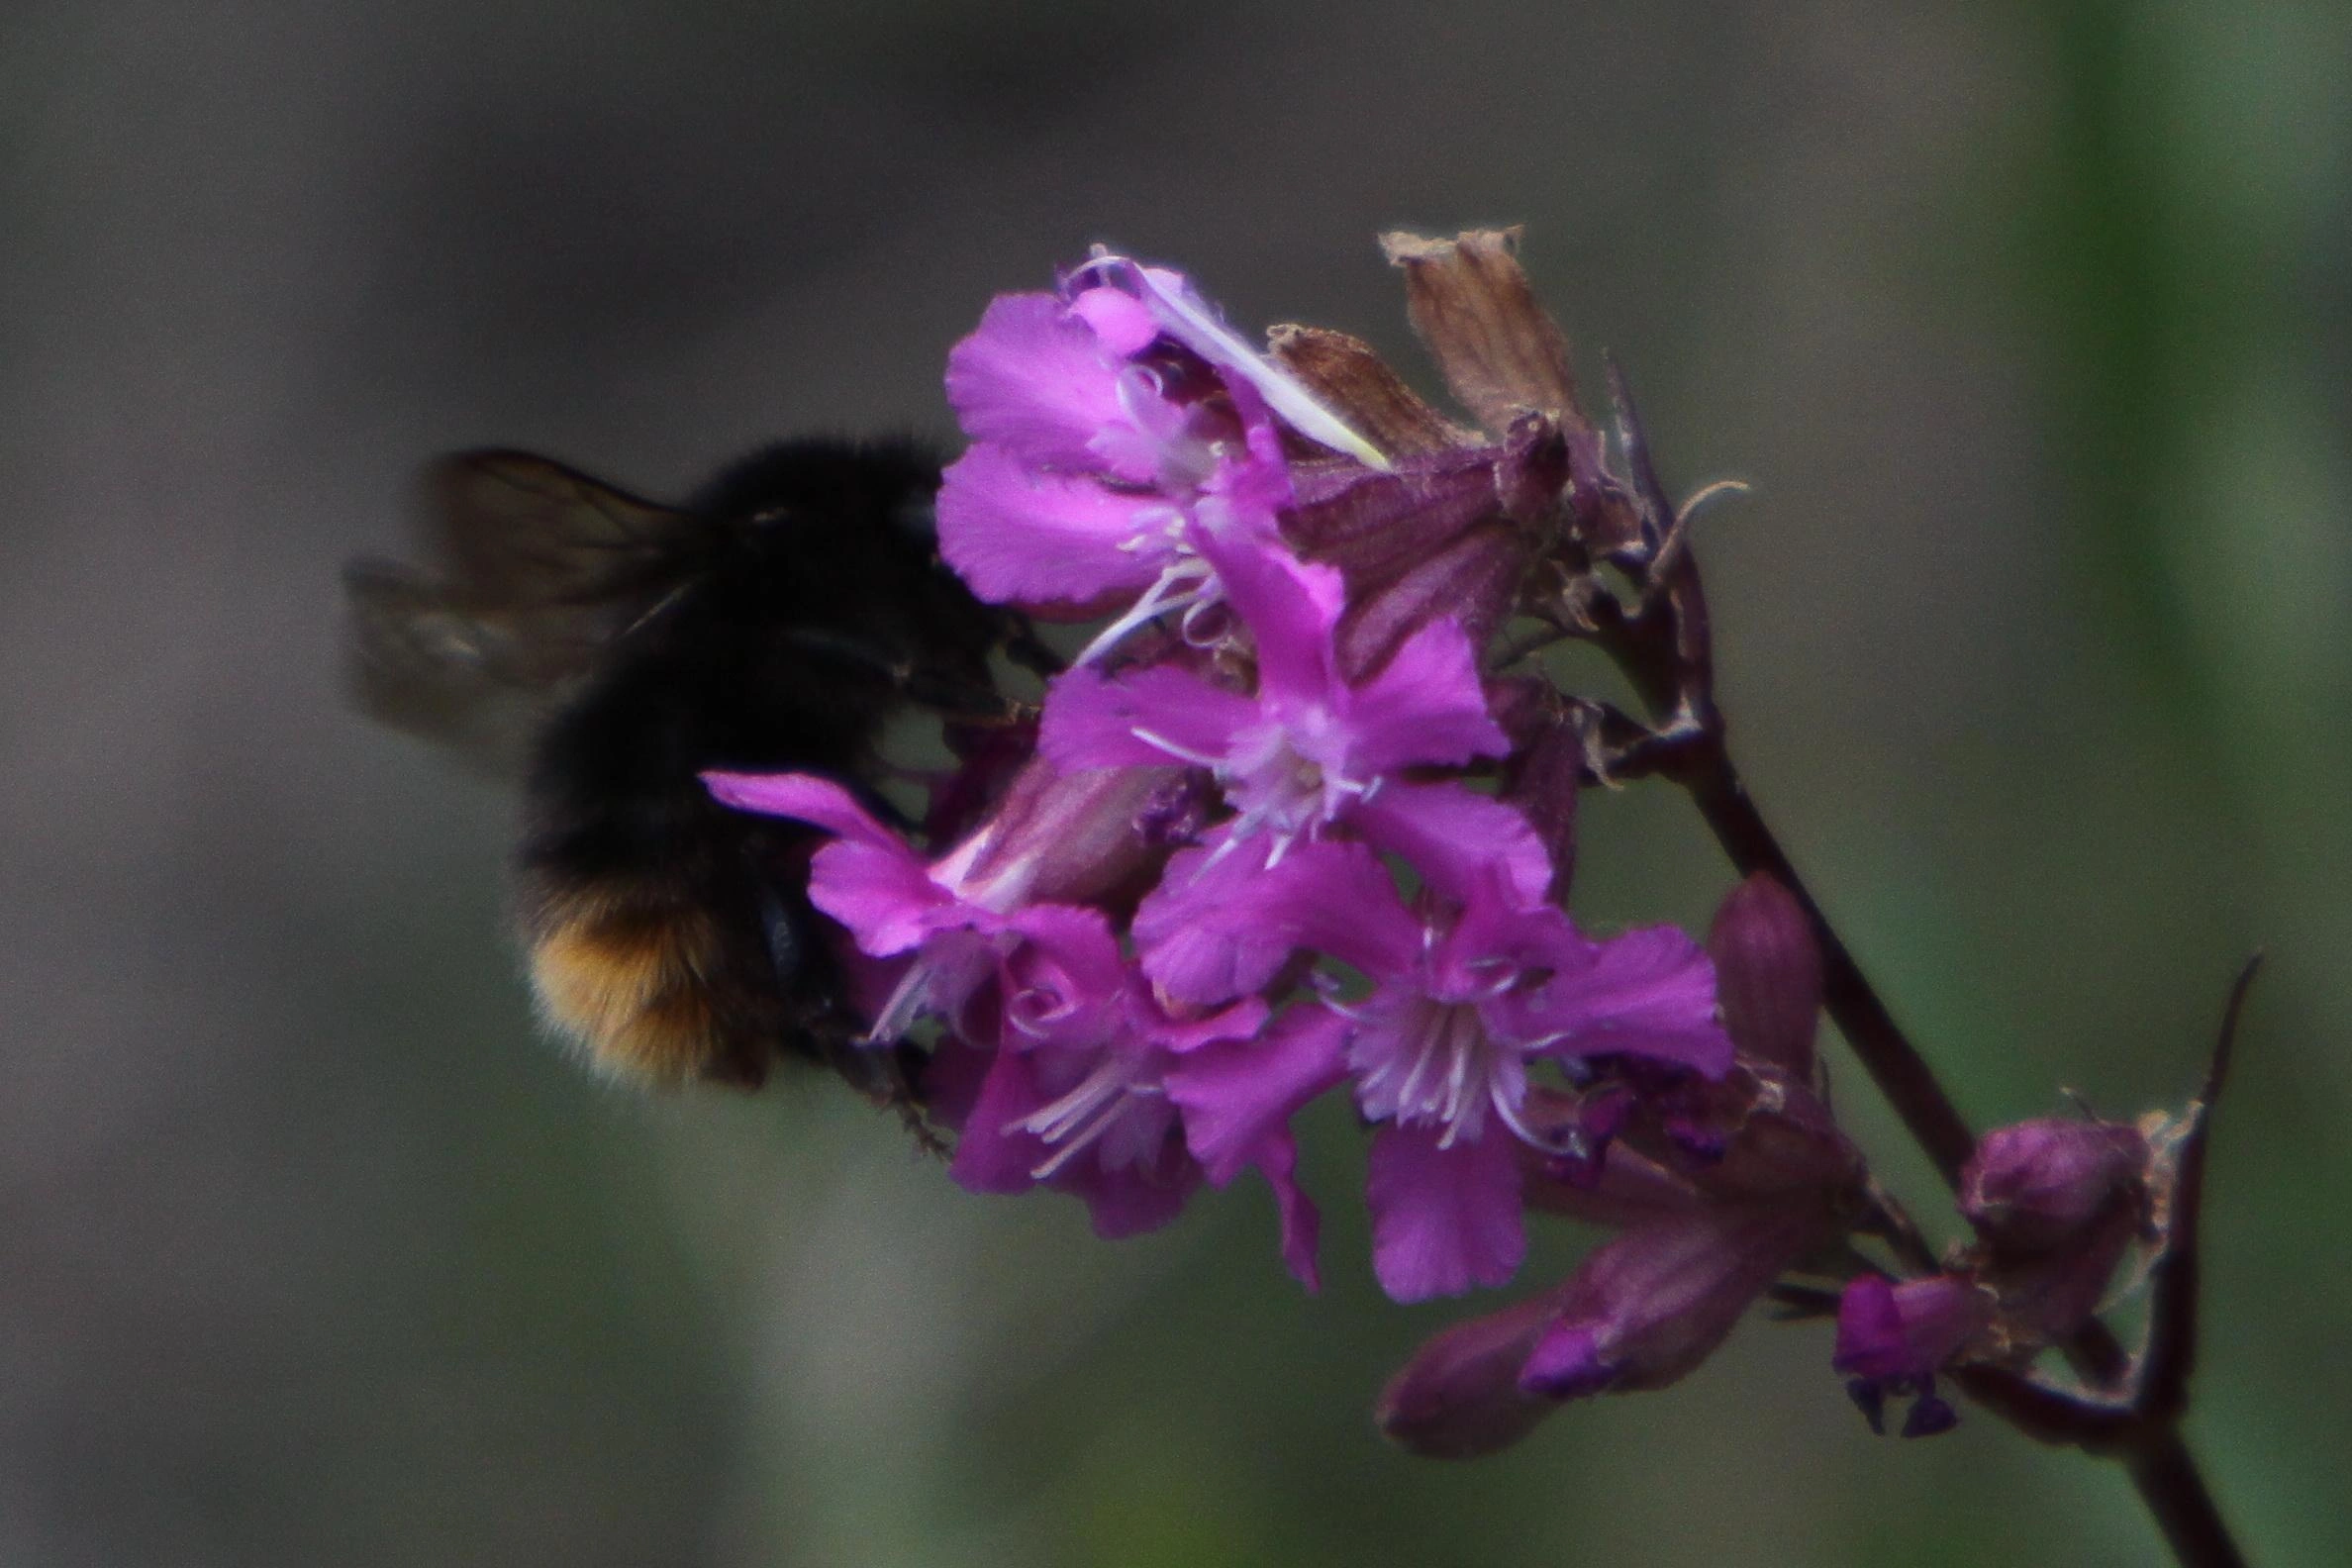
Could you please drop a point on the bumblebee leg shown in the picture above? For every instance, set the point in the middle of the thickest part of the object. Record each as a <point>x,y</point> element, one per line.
<point>1025,648</point>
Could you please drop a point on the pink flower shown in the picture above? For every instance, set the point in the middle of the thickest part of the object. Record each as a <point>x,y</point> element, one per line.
<point>1070,1090</point>
<point>1307,752</point>
<point>1102,443</point>
<point>1440,1051</point>
<point>1440,1054</point>
<point>961,915</point>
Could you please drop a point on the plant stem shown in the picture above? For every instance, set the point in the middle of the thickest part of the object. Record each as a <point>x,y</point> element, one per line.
<point>2165,1475</point>
<point>2161,1467</point>
<point>1663,642</point>
<point>1886,1053</point>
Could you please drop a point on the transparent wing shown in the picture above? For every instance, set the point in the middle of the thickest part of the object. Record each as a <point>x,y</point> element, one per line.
<point>534,571</point>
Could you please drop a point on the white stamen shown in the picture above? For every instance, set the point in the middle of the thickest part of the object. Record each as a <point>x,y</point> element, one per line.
<point>1182,754</point>
<point>1056,1120</point>
<point>1079,1119</point>
<point>1182,584</point>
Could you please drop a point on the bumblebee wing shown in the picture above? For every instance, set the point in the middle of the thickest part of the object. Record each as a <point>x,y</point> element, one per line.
<point>420,661</point>
<point>529,538</point>
<point>534,571</point>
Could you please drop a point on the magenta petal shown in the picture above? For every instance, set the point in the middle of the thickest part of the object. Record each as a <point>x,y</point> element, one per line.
<point>803,797</point>
<point>1566,1363</point>
<point>1457,838</point>
<point>885,895</point>
<point>1906,1330</point>
<point>1425,705</point>
<point>1204,937</point>
<point>1240,1021</point>
<point>1065,983</point>
<point>1236,1094</point>
<point>1037,381</point>
<point>1244,495</point>
<point>1870,1329</point>
<point>1496,923</point>
<point>992,1155</point>
<point>1017,534</point>
<point>1123,323</point>
<point>1091,722</point>
<point>1302,1226</point>
<point>1338,897</point>
<point>1221,924</point>
<point>1443,1220</point>
<point>1132,1198</point>
<point>1649,993</point>
<point>1289,607</point>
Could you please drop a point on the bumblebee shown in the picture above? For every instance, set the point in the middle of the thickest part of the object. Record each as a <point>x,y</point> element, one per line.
<point>776,621</point>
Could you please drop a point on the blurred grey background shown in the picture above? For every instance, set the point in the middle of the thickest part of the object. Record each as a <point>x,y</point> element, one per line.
<point>2030,324</point>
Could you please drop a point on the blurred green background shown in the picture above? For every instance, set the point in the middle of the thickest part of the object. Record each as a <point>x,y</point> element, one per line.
<point>2031,326</point>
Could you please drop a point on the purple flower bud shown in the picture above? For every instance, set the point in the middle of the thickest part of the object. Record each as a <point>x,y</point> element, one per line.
<point>1460,1396</point>
<point>2058,1203</point>
<point>1898,1333</point>
<point>1646,1308</point>
<point>1768,975</point>
<point>1543,777</point>
<point>1472,582</point>
<point>2042,1185</point>
<point>1067,836</point>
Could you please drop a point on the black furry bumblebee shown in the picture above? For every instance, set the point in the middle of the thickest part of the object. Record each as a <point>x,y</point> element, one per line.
<point>774,622</point>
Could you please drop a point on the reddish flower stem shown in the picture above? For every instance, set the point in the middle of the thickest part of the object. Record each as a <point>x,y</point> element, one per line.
<point>1663,643</point>
<point>1898,1070</point>
<point>2162,1469</point>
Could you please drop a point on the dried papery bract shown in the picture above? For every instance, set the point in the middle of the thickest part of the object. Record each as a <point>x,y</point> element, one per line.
<point>1471,303</point>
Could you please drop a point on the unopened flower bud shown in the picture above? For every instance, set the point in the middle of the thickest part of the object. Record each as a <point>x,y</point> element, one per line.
<point>1768,975</point>
<point>1646,1309</point>
<point>1895,1334</point>
<point>1542,779</point>
<point>1460,1396</point>
<point>2042,1184</point>
<point>2058,1203</point>
<point>1060,836</point>
<point>1472,582</point>
<point>1894,1340</point>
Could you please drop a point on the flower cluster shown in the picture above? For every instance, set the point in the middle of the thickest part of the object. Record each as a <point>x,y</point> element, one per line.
<point>1261,854</point>
<point>1296,822</point>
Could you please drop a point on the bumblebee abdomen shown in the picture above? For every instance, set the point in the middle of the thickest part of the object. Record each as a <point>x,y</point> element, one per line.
<point>633,976</point>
